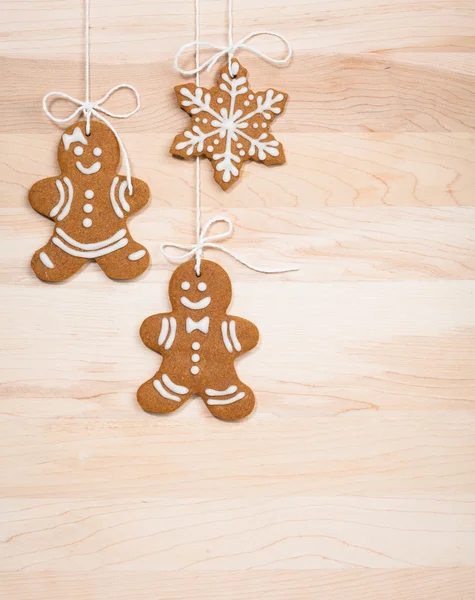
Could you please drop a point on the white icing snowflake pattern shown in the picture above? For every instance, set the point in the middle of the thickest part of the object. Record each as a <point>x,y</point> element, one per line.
<point>230,124</point>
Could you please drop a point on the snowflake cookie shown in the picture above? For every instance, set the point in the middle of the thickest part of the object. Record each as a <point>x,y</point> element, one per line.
<point>229,124</point>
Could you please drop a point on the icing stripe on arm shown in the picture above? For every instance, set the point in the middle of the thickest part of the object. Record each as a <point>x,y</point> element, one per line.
<point>224,332</point>
<point>55,210</point>
<point>234,338</point>
<point>163,331</point>
<point>115,206</point>
<point>123,201</point>
<point>171,339</point>
<point>67,208</point>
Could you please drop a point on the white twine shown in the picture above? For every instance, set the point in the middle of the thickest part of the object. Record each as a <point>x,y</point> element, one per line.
<point>88,108</point>
<point>209,241</point>
<point>202,239</point>
<point>230,49</point>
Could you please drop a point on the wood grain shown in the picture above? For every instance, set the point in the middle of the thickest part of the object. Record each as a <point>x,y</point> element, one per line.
<point>354,479</point>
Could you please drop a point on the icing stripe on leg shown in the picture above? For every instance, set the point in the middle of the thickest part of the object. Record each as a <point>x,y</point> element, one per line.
<point>163,392</point>
<point>46,260</point>
<point>215,402</point>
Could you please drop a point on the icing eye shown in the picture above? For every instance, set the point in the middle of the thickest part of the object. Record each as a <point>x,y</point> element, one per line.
<point>202,286</point>
<point>97,151</point>
<point>78,150</point>
<point>185,285</point>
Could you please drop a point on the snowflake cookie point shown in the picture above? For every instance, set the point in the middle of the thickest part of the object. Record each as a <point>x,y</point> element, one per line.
<point>236,116</point>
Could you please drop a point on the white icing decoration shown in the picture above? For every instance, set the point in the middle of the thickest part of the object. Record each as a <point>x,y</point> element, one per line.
<point>234,338</point>
<point>231,389</point>
<point>46,260</point>
<point>224,332</point>
<point>55,210</point>
<point>196,345</point>
<point>202,325</point>
<point>137,255</point>
<point>178,389</point>
<point>185,285</point>
<point>171,338</point>
<point>94,168</point>
<point>194,370</point>
<point>67,208</point>
<point>97,151</point>
<point>89,194</point>
<point>163,331</point>
<point>195,358</point>
<point>210,148</point>
<point>88,208</point>
<point>91,253</point>
<point>76,136</point>
<point>214,402</point>
<point>204,303</point>
<point>231,124</point>
<point>123,201</point>
<point>78,151</point>
<point>96,245</point>
<point>115,206</point>
<point>202,286</point>
<point>87,222</point>
<point>161,390</point>
<point>234,68</point>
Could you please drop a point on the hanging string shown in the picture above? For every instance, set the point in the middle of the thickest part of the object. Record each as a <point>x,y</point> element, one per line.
<point>89,109</point>
<point>202,239</point>
<point>230,49</point>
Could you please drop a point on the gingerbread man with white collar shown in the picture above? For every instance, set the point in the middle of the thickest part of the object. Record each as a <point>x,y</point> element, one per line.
<point>89,204</point>
<point>199,343</point>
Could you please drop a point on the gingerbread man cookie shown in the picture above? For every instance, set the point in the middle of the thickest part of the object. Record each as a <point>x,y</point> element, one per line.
<point>89,204</point>
<point>199,343</point>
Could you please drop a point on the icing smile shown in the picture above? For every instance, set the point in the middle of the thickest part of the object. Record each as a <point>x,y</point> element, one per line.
<point>94,168</point>
<point>204,303</point>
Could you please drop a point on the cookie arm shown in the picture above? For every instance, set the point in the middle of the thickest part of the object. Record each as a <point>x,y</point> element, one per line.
<point>140,196</point>
<point>158,332</point>
<point>239,335</point>
<point>44,195</point>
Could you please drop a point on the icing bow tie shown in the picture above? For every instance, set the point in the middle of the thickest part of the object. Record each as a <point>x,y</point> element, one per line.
<point>202,325</point>
<point>95,108</point>
<point>230,50</point>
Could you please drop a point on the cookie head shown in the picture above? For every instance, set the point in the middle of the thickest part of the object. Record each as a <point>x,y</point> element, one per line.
<point>84,154</point>
<point>210,291</point>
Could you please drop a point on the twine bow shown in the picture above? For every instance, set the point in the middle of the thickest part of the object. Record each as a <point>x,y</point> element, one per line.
<point>96,108</point>
<point>210,241</point>
<point>230,50</point>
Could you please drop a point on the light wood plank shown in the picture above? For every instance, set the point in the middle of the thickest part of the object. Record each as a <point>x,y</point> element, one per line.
<point>322,170</point>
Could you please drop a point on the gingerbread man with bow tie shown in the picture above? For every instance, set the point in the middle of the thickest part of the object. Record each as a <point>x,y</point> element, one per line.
<point>199,343</point>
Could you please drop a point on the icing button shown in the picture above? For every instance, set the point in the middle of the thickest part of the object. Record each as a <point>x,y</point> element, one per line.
<point>88,208</point>
<point>196,345</point>
<point>195,357</point>
<point>194,370</point>
<point>87,223</point>
<point>89,194</point>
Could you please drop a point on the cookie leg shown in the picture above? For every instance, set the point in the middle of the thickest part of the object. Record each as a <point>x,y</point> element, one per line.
<point>127,262</point>
<point>50,263</point>
<point>231,403</point>
<point>161,395</point>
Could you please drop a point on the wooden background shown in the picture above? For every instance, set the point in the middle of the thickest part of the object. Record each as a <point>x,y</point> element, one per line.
<point>355,477</point>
